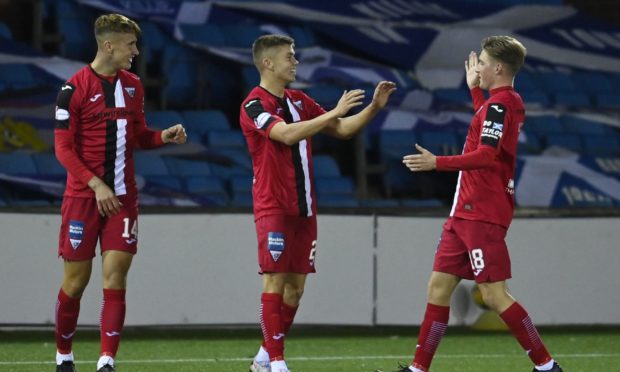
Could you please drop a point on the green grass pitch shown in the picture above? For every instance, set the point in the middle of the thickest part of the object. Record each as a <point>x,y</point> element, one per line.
<point>315,349</point>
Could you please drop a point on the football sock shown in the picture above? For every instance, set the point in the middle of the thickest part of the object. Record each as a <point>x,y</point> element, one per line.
<point>67,312</point>
<point>112,320</point>
<point>432,330</point>
<point>262,355</point>
<point>271,324</point>
<point>525,332</point>
<point>414,369</point>
<point>288,315</point>
<point>547,366</point>
<point>278,366</point>
<point>63,357</point>
<point>103,360</point>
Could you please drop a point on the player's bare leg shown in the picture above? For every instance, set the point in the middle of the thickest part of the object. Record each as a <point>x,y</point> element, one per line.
<point>75,279</point>
<point>496,296</point>
<point>116,265</point>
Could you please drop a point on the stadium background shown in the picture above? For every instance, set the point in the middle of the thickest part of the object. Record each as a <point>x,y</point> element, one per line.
<point>376,217</point>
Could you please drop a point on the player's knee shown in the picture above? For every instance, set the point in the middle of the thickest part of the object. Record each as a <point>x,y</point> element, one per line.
<point>438,293</point>
<point>74,287</point>
<point>293,294</point>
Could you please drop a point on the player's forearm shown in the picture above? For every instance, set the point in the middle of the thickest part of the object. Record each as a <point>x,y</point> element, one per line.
<point>347,127</point>
<point>149,139</point>
<point>480,158</point>
<point>477,96</point>
<point>292,133</point>
<point>70,160</point>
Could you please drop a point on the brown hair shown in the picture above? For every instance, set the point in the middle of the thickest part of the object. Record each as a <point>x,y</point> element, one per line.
<point>505,49</point>
<point>265,42</point>
<point>116,23</point>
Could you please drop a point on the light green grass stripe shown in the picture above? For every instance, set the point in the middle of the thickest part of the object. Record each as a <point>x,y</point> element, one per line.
<point>320,358</point>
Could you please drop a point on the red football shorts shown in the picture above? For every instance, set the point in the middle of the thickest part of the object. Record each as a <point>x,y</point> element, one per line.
<point>473,250</point>
<point>82,226</point>
<point>286,244</point>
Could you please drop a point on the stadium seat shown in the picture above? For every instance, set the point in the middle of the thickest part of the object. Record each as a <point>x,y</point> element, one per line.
<point>556,82</point>
<point>579,125</point>
<point>438,142</point>
<point>210,34</point>
<point>535,99</point>
<point>572,100</point>
<point>183,167</point>
<point>303,36</point>
<point>149,165</point>
<point>174,183</point>
<point>208,186</point>
<point>421,203</point>
<point>219,139</point>
<point>250,77</point>
<point>238,156</point>
<point>394,144</point>
<point>325,166</point>
<point>205,121</point>
<point>543,124</point>
<point>162,119</point>
<point>337,201</point>
<point>608,101</point>
<point>458,97</point>
<point>241,185</point>
<point>48,165</point>
<point>379,203</point>
<point>568,141</point>
<point>529,143</point>
<point>334,186</point>
<point>326,95</point>
<point>592,82</point>
<point>601,145</point>
<point>241,35</point>
<point>78,43</point>
<point>5,31</point>
<point>17,76</point>
<point>17,163</point>
<point>524,82</point>
<point>241,200</point>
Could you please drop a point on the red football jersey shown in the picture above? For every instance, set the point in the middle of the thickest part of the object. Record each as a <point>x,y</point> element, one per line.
<point>283,176</point>
<point>99,121</point>
<point>487,193</point>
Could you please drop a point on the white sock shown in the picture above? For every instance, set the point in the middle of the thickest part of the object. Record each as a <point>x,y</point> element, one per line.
<point>105,359</point>
<point>278,365</point>
<point>546,367</point>
<point>262,355</point>
<point>63,357</point>
<point>413,369</point>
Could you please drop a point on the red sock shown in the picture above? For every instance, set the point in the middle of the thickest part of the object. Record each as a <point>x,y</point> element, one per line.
<point>432,330</point>
<point>67,311</point>
<point>271,324</point>
<point>112,320</point>
<point>288,315</point>
<point>521,326</point>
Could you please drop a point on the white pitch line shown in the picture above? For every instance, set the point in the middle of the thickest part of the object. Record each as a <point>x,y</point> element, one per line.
<point>318,358</point>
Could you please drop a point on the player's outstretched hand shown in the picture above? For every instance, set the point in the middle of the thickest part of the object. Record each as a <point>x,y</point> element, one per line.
<point>473,79</point>
<point>348,100</point>
<point>175,134</point>
<point>424,161</point>
<point>383,91</point>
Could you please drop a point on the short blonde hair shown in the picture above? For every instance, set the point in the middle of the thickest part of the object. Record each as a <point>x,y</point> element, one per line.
<point>265,42</point>
<point>115,23</point>
<point>505,49</point>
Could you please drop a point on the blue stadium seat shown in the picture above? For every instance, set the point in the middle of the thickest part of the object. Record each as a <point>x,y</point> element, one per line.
<point>303,36</point>
<point>241,35</point>
<point>438,142</point>
<point>183,167</point>
<point>334,186</point>
<point>174,183</point>
<point>608,101</point>
<point>209,186</point>
<point>458,96</point>
<point>421,203</point>
<point>337,201</point>
<point>227,172</point>
<point>394,144</point>
<point>524,82</point>
<point>28,203</point>
<point>226,139</point>
<point>162,119</point>
<point>601,145</point>
<point>238,156</point>
<point>326,95</point>
<point>206,34</point>
<point>565,140</point>
<point>592,82</point>
<point>17,76</point>
<point>535,99</point>
<point>529,143</point>
<point>17,163</point>
<point>205,121</point>
<point>5,31</point>
<point>579,125</point>
<point>250,77</point>
<point>379,203</point>
<point>78,43</point>
<point>325,166</point>
<point>149,164</point>
<point>572,100</point>
<point>48,165</point>
<point>543,124</point>
<point>241,200</point>
<point>556,82</point>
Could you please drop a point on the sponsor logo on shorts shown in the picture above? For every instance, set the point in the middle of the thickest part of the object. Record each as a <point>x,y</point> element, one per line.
<point>131,241</point>
<point>275,244</point>
<point>76,233</point>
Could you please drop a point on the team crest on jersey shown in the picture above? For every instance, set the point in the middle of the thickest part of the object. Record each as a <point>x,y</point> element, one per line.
<point>131,91</point>
<point>275,244</point>
<point>299,105</point>
<point>76,233</point>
